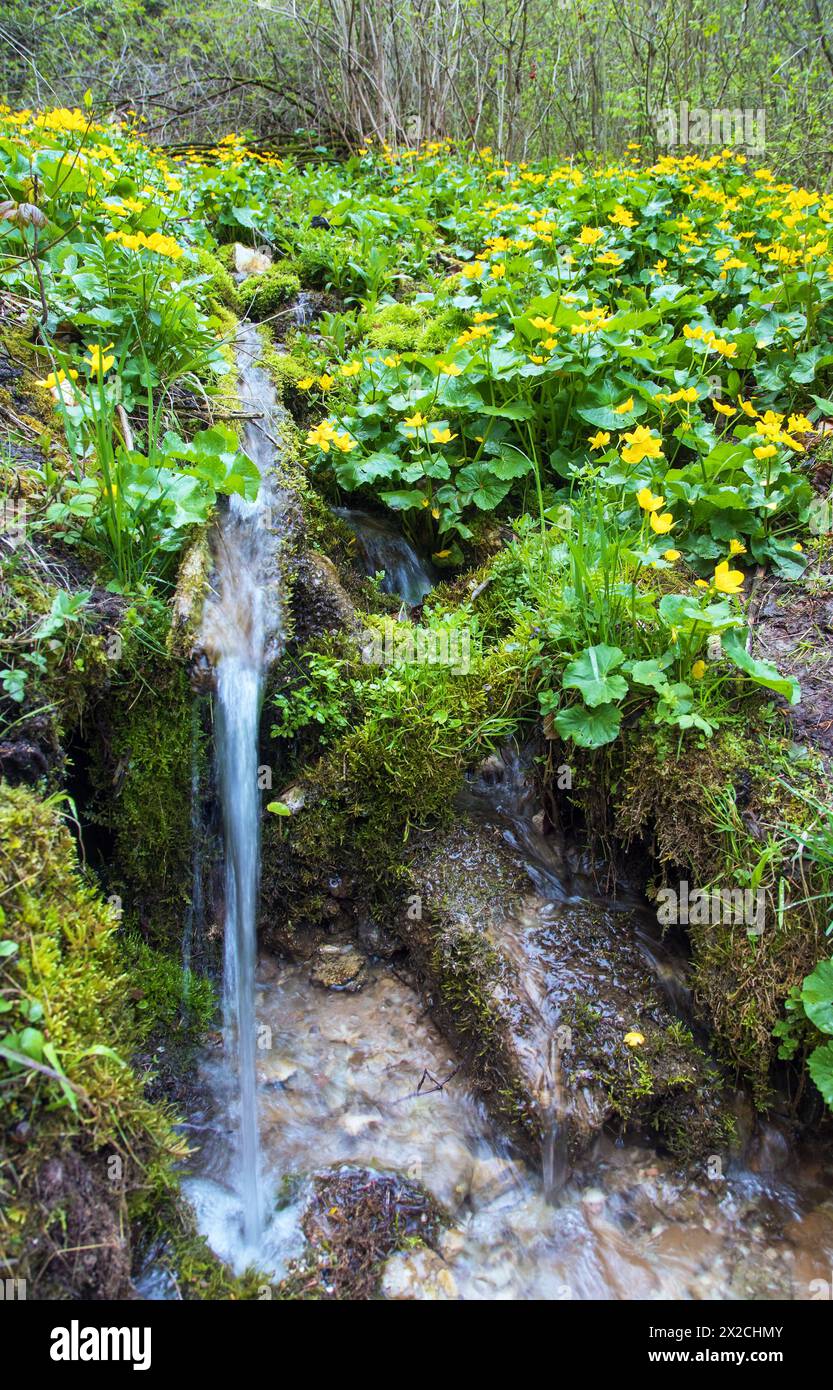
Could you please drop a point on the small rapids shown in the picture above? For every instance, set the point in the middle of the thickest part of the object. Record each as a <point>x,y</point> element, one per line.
<point>383,549</point>
<point>366,1080</point>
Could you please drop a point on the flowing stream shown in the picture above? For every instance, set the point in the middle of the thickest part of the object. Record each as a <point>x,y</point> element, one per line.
<point>364,1083</point>
<point>383,549</point>
<point>241,634</point>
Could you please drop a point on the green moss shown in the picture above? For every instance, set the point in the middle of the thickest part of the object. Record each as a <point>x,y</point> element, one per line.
<point>716,815</point>
<point>412,327</point>
<point>221,285</point>
<point>71,1011</point>
<point>262,295</point>
<point>140,769</point>
<point>164,1002</point>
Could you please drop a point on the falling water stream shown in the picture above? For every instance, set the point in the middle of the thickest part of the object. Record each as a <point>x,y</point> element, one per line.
<point>241,634</point>
<point>384,550</point>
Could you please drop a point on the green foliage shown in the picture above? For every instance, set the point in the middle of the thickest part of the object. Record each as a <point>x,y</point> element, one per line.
<point>811,1003</point>
<point>66,1032</point>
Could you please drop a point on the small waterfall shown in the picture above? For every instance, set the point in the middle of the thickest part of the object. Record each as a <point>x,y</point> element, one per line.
<point>242,633</point>
<point>238,699</point>
<point>382,547</point>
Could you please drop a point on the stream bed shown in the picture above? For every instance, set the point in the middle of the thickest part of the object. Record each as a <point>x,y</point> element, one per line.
<point>355,1079</point>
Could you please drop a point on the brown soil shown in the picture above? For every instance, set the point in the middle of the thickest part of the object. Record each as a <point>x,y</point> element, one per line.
<point>793,628</point>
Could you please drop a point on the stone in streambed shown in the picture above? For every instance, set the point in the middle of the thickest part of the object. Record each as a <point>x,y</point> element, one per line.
<point>538,986</point>
<point>419,1275</point>
<point>338,968</point>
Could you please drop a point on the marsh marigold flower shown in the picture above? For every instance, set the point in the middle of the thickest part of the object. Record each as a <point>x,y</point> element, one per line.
<point>726,580</point>
<point>641,444</point>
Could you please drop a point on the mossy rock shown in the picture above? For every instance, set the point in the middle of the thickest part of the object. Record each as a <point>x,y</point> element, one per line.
<point>79,1140</point>
<point>262,295</point>
<point>221,285</point>
<point>539,996</point>
<point>140,769</point>
<point>715,815</point>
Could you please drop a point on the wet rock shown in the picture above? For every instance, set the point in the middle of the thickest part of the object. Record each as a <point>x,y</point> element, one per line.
<point>339,968</point>
<point>294,798</point>
<point>374,939</point>
<point>539,991</point>
<point>493,1178</point>
<point>357,1122</point>
<point>282,1069</point>
<point>320,602</point>
<point>418,1275</point>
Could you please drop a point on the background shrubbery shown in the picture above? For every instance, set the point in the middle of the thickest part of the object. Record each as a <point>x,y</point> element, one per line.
<point>529,77</point>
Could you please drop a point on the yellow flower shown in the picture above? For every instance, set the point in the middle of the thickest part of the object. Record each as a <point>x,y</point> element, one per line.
<point>54,379</point>
<point>350,368</point>
<point>698,670</point>
<point>799,424</point>
<point>765,451</point>
<point>671,556</point>
<point>798,547</point>
<point>442,436</point>
<point>498,270</point>
<point>450,368</point>
<point>609,258</point>
<point>633,1039</point>
<point>306,383</point>
<point>724,409</point>
<point>748,408</point>
<point>590,235</point>
<point>661,523</point>
<point>737,548</point>
<point>726,580</point>
<point>344,442</point>
<point>648,501</point>
<point>325,381</point>
<point>415,421</point>
<point>321,436</point>
<point>599,439</point>
<point>621,217</point>
<point>642,444</point>
<point>624,408</point>
<point>98,361</point>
